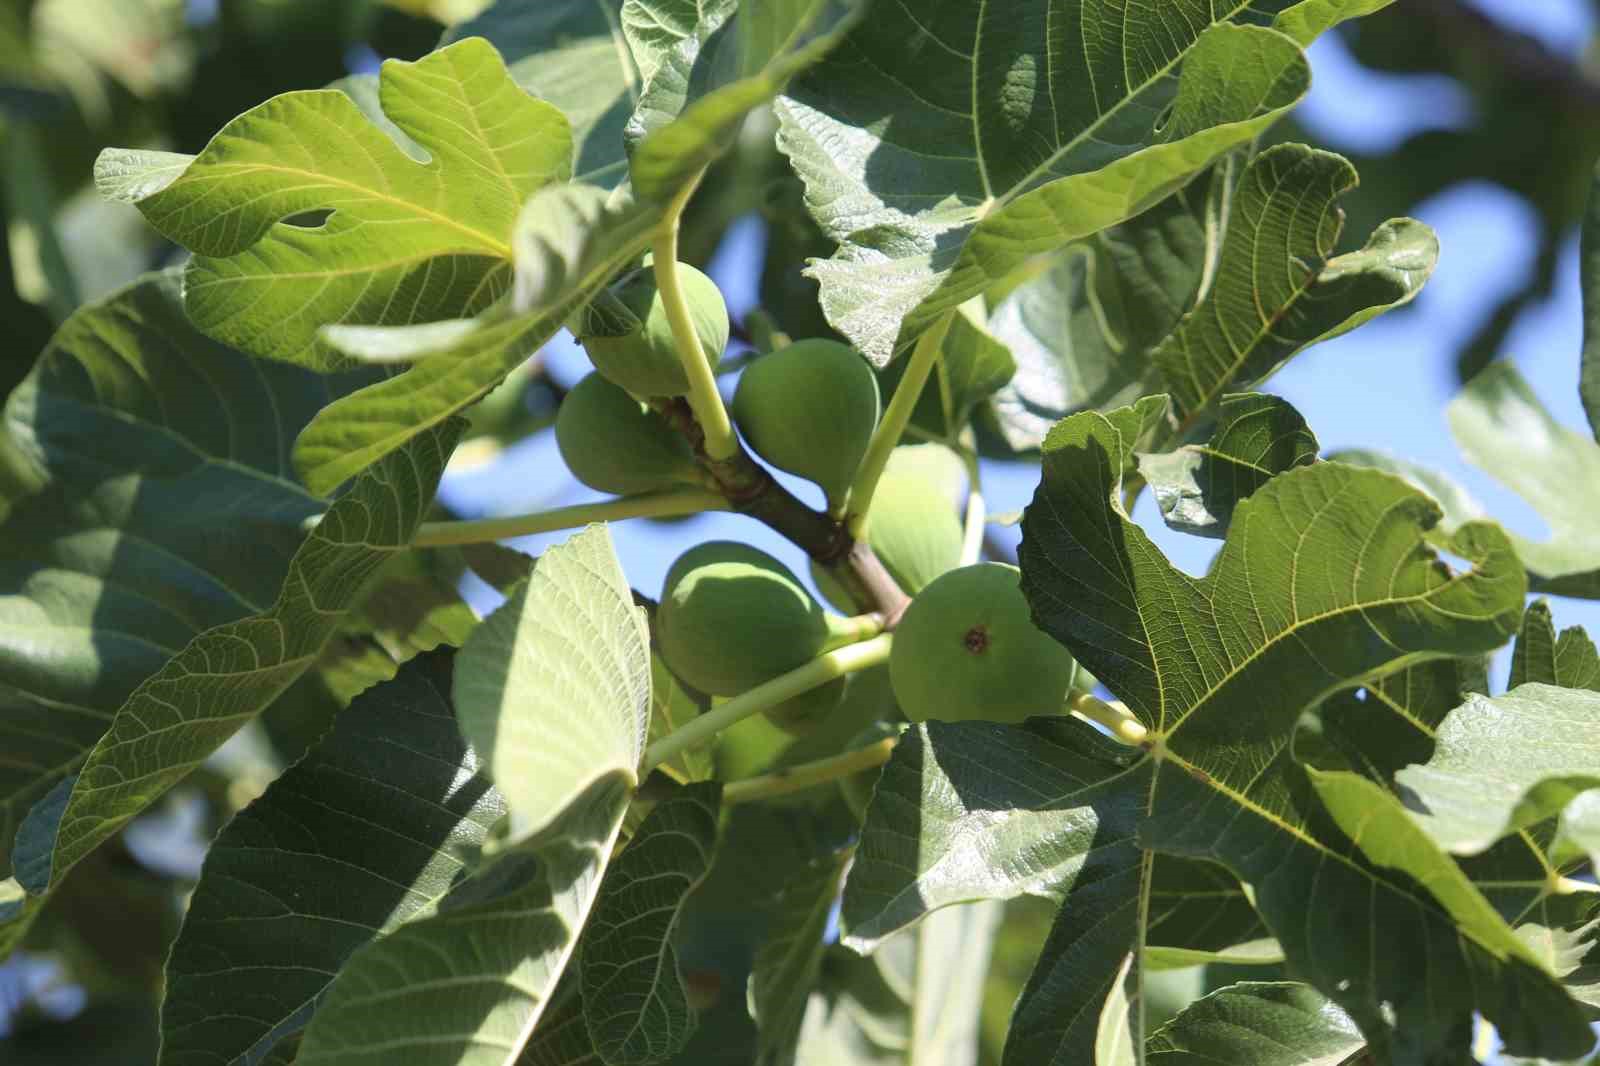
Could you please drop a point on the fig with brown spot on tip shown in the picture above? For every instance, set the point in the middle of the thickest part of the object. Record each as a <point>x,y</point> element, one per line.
<point>967,648</point>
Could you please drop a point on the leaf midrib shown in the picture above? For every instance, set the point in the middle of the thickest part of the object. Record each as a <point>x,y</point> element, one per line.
<point>1244,802</point>
<point>1405,659</point>
<point>500,249</point>
<point>1087,133</point>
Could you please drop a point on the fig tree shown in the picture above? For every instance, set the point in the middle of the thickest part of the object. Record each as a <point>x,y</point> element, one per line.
<point>912,526</point>
<point>629,337</point>
<point>612,442</point>
<point>810,409</point>
<point>732,616</point>
<point>967,648</point>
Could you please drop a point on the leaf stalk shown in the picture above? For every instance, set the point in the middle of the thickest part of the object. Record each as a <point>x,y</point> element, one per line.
<point>806,775</point>
<point>673,503</point>
<point>819,671</point>
<point>704,399</point>
<point>1116,720</point>
<point>893,424</point>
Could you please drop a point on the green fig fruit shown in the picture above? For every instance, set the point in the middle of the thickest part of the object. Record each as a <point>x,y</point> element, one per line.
<point>629,338</point>
<point>614,443</point>
<point>810,409</point>
<point>803,713</point>
<point>911,526</point>
<point>967,648</point>
<point>732,616</point>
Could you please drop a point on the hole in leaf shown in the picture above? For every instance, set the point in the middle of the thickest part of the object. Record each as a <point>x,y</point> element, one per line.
<point>1453,564</point>
<point>309,219</point>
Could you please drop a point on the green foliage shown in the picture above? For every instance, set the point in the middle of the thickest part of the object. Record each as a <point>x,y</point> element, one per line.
<point>810,409</point>
<point>967,648</point>
<point>1294,823</point>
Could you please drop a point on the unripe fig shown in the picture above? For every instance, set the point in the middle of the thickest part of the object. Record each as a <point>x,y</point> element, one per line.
<point>614,443</point>
<point>732,616</point>
<point>803,713</point>
<point>629,338</point>
<point>911,526</point>
<point>967,648</point>
<point>810,409</point>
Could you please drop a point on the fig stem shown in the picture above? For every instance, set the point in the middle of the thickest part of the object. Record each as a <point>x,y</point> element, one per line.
<point>672,503</point>
<point>806,775</point>
<point>1118,721</point>
<point>977,516</point>
<point>704,399</point>
<point>819,671</point>
<point>893,423</point>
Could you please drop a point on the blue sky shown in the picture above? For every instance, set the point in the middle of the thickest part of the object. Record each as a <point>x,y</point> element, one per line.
<point>1384,386</point>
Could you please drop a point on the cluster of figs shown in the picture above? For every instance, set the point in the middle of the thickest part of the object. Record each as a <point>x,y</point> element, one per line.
<point>730,616</point>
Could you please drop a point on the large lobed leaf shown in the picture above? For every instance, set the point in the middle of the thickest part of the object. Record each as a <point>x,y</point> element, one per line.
<point>402,240</point>
<point>229,673</point>
<point>165,506</point>
<point>574,56</point>
<point>1325,581</point>
<point>1278,287</point>
<point>569,241</point>
<point>942,149</point>
<point>369,831</point>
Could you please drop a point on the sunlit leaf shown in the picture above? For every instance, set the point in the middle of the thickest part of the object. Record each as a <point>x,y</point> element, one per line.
<point>402,241</point>
<point>1017,128</point>
<point>570,240</point>
<point>369,831</point>
<point>1507,762</point>
<point>574,56</point>
<point>1257,1024</point>
<point>469,985</point>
